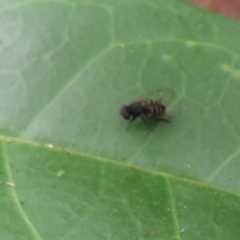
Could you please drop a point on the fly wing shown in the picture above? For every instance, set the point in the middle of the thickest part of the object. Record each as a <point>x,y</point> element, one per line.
<point>166,95</point>
<point>172,113</point>
<point>169,115</point>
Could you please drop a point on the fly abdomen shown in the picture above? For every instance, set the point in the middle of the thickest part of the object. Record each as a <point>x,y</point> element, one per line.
<point>158,109</point>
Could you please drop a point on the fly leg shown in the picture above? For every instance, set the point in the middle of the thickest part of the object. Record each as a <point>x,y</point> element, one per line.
<point>131,120</point>
<point>163,119</point>
<point>143,119</point>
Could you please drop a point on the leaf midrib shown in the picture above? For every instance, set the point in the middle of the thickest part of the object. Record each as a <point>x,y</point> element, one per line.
<point>8,139</point>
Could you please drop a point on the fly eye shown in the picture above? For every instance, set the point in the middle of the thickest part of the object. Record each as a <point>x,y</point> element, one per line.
<point>125,112</point>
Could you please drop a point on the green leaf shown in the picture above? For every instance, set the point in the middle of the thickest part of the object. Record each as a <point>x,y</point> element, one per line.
<point>70,169</point>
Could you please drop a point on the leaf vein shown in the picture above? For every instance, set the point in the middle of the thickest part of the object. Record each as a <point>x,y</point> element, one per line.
<point>63,91</point>
<point>14,193</point>
<point>225,163</point>
<point>173,209</point>
<point>9,139</point>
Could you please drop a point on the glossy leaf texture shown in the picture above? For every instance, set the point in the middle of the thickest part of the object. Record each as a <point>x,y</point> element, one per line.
<point>70,169</point>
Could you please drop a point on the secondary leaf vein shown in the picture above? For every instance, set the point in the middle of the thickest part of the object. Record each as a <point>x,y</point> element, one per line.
<point>63,90</point>
<point>173,210</point>
<point>14,193</point>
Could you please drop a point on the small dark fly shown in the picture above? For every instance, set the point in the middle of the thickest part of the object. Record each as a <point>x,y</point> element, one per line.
<point>150,108</point>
